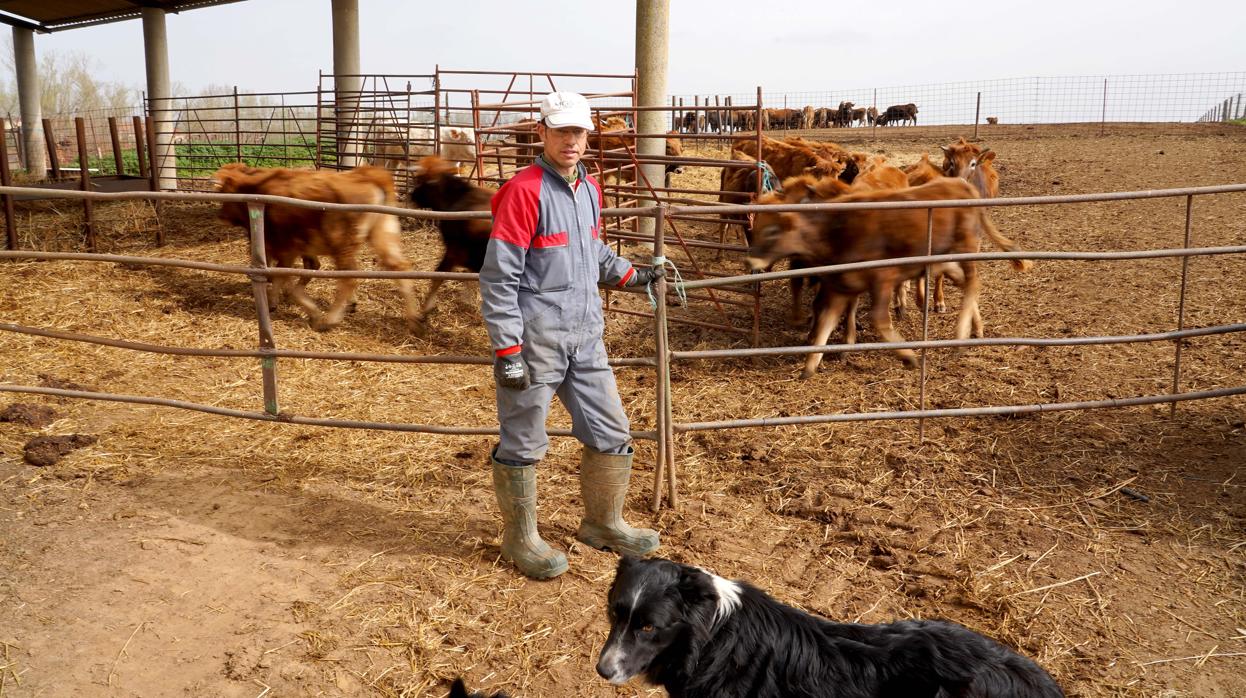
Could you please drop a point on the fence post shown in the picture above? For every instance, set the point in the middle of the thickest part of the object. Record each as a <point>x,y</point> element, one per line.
<point>662,356</point>
<point>54,158</point>
<point>480,157</point>
<point>761,115</point>
<point>319,108</point>
<point>154,170</point>
<point>259,285</point>
<point>139,150</point>
<point>977,113</point>
<point>6,179</point>
<point>84,165</point>
<point>115,137</point>
<point>874,121</point>
<point>237,128</point>
<point>19,145</point>
<point>1103,115</point>
<point>155,163</point>
<point>1185,269</point>
<point>921,422</point>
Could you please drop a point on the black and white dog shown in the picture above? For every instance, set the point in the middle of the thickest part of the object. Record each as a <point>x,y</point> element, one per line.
<point>697,634</point>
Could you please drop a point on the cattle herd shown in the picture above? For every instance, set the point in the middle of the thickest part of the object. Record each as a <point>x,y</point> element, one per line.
<point>801,170</point>
<point>718,120</point>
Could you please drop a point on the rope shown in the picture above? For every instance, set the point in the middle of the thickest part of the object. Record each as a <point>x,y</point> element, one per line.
<point>769,181</point>
<point>678,281</point>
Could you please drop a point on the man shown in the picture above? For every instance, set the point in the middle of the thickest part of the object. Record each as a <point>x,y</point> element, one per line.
<point>540,303</point>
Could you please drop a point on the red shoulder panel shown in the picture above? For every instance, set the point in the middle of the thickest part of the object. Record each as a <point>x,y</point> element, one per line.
<point>516,208</point>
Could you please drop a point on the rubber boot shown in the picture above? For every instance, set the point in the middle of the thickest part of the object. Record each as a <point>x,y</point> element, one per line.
<point>603,486</point>
<point>515,487</point>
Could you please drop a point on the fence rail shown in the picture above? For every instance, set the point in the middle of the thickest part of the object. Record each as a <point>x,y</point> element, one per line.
<point>666,426</point>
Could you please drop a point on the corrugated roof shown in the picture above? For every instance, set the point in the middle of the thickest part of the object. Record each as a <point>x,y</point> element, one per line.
<point>45,16</point>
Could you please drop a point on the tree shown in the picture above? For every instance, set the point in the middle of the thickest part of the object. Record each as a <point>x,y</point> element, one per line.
<point>67,82</point>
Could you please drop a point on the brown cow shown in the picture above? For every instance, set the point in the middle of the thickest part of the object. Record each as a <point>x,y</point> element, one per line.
<point>849,164</point>
<point>435,185</point>
<point>972,164</point>
<point>626,173</point>
<point>877,174</point>
<point>600,137</point>
<point>292,232</point>
<point>737,185</point>
<point>781,118</point>
<point>788,160</point>
<point>836,237</point>
<point>922,171</point>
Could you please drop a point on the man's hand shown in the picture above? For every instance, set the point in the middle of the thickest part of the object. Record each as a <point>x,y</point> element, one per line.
<point>511,372</point>
<point>646,275</point>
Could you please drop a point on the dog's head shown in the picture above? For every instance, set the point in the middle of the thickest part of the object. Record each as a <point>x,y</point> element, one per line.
<point>661,613</point>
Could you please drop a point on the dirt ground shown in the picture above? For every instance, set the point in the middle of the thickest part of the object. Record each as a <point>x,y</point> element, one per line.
<point>180,553</point>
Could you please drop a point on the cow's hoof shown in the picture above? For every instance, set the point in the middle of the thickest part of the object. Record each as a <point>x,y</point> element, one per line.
<point>419,328</point>
<point>321,325</point>
<point>940,308</point>
<point>352,306</point>
<point>806,374</point>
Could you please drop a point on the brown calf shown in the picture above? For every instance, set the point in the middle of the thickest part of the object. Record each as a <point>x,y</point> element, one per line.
<point>291,232</point>
<point>972,164</point>
<point>836,237</point>
<point>877,174</point>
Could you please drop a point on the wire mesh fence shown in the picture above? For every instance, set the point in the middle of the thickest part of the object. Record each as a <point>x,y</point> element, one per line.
<point>1088,99</point>
<point>1231,109</point>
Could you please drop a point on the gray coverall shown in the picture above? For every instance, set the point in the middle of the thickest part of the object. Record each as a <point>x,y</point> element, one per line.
<point>539,296</point>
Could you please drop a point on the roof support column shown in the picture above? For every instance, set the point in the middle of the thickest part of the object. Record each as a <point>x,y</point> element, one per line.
<point>28,97</point>
<point>346,89</point>
<point>159,96</point>
<point>652,47</point>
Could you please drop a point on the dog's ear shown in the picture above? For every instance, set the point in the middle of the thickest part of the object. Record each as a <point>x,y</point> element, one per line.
<point>626,562</point>
<point>458,689</point>
<point>696,587</point>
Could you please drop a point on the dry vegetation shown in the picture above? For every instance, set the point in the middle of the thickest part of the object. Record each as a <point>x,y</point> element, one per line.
<point>185,553</point>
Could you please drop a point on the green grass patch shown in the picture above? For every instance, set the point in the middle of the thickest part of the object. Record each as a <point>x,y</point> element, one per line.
<point>199,160</point>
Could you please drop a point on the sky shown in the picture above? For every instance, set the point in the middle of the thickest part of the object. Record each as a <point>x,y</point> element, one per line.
<point>725,46</point>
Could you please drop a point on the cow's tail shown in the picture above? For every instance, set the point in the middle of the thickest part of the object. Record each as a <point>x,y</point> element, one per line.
<point>1005,244</point>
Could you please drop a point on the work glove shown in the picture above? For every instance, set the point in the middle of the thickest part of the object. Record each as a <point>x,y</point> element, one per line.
<point>511,372</point>
<point>646,275</point>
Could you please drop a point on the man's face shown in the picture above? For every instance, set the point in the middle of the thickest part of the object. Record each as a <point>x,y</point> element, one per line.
<point>563,146</point>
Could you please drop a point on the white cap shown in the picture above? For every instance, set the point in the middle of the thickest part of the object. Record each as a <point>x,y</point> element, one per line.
<point>560,109</point>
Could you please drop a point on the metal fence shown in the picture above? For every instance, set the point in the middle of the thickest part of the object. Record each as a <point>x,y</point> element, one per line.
<point>1230,109</point>
<point>1085,99</point>
<point>666,427</point>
